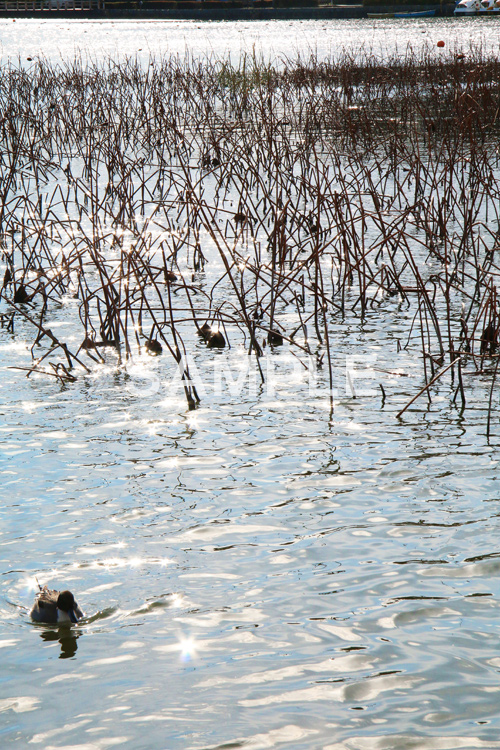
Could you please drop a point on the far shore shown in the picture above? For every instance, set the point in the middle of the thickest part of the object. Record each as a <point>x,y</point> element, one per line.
<point>196,11</point>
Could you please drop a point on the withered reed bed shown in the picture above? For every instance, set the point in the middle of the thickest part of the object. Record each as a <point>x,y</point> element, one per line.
<point>245,194</point>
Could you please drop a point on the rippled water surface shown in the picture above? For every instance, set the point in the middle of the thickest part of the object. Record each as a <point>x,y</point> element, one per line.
<point>56,39</point>
<point>264,571</point>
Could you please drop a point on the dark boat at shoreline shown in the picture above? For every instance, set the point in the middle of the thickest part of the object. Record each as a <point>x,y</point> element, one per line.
<point>415,14</point>
<point>404,14</point>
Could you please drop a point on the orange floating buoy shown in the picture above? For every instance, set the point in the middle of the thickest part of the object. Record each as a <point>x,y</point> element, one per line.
<point>440,44</point>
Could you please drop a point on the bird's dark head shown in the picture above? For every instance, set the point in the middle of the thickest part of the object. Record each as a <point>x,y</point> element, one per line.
<point>66,603</point>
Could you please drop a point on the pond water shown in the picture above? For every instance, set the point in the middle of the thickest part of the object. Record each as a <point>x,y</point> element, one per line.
<point>267,570</point>
<point>56,39</point>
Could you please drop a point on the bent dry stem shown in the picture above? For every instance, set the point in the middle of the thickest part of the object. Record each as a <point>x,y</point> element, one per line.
<point>266,201</point>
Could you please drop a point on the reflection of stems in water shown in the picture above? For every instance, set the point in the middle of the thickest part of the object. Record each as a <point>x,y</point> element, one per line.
<point>491,398</point>
<point>428,385</point>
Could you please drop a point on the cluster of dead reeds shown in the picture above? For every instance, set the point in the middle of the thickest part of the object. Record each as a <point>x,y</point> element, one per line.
<point>252,202</point>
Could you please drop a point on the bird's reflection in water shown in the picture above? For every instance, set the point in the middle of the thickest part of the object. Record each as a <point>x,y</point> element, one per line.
<point>67,637</point>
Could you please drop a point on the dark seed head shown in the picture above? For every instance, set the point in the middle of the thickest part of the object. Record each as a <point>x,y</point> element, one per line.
<point>217,341</point>
<point>154,347</point>
<point>205,331</point>
<point>20,295</point>
<point>275,338</point>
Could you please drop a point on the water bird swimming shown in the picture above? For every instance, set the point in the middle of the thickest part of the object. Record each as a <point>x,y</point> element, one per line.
<point>55,607</point>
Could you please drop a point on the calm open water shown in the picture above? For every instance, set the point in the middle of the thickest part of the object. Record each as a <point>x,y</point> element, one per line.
<point>261,572</point>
